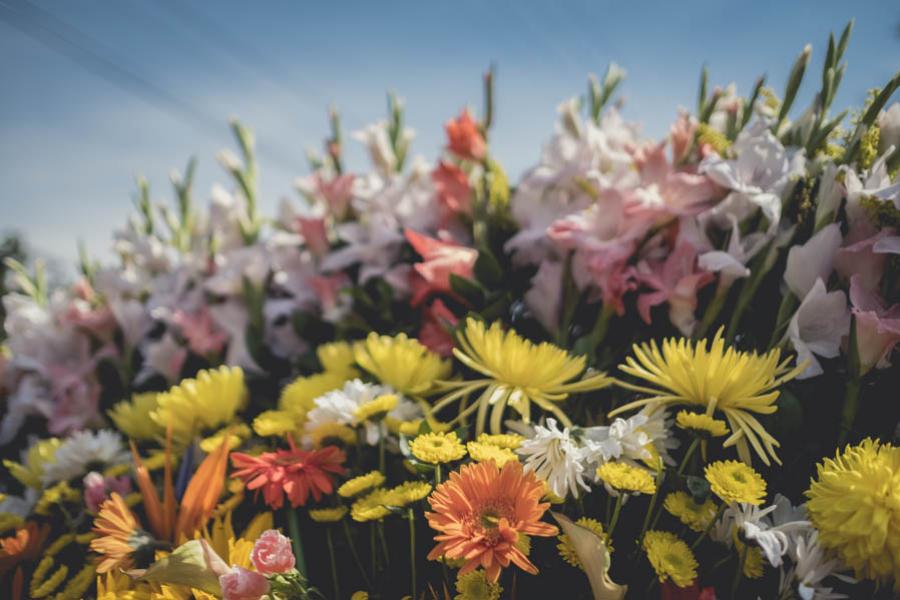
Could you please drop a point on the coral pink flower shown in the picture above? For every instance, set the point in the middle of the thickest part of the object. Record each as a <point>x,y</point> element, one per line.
<point>328,290</point>
<point>435,334</point>
<point>272,553</point>
<point>865,258</point>
<point>336,192</point>
<point>313,232</point>
<point>453,192</point>
<point>675,281</point>
<point>682,135</point>
<point>441,259</point>
<point>877,326</point>
<point>665,190</point>
<point>295,473</point>
<point>203,336</point>
<point>464,138</point>
<point>242,584</point>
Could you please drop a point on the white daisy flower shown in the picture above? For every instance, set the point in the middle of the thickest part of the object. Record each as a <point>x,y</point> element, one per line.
<point>84,451</point>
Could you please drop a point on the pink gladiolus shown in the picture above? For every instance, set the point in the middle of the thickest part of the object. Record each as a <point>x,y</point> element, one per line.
<point>314,234</point>
<point>453,190</point>
<point>435,333</point>
<point>877,326</point>
<point>676,281</point>
<point>272,553</point>
<point>464,139</point>
<point>201,333</point>
<point>242,584</point>
<point>337,193</point>
<point>441,259</point>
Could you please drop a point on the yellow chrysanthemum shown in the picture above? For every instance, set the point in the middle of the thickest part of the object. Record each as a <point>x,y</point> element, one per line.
<point>327,515</point>
<point>854,503</point>
<point>626,478</point>
<point>61,493</point>
<point>696,516</point>
<point>116,585</point>
<point>510,441</point>
<point>236,436</point>
<point>358,485</point>
<point>372,506</point>
<point>517,373</point>
<point>274,423</point>
<point>332,433</point>
<point>409,492</point>
<point>670,557</point>
<point>132,417</point>
<point>376,409</point>
<point>734,481</point>
<point>298,397</point>
<point>208,401</point>
<point>753,559</point>
<point>437,448</point>
<point>715,378</point>
<point>360,596</point>
<point>402,363</point>
<point>475,586</point>
<point>701,423</point>
<point>567,550</point>
<point>480,451</point>
<point>39,454</point>
<point>338,358</point>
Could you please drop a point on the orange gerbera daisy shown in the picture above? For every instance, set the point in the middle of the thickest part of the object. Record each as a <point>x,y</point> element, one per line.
<point>118,535</point>
<point>25,545</point>
<point>480,513</point>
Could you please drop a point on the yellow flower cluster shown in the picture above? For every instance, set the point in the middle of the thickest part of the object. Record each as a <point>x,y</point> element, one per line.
<point>670,557</point>
<point>437,448</point>
<point>733,481</point>
<point>626,478</point>
<point>696,516</point>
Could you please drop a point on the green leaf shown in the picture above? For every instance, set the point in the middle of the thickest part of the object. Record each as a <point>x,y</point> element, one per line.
<point>487,269</point>
<point>467,289</point>
<point>698,488</point>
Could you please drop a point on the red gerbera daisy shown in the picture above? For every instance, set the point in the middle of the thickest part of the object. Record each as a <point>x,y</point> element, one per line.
<point>297,473</point>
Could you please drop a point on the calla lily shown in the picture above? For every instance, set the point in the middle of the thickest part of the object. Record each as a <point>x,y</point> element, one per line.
<point>193,564</point>
<point>594,556</point>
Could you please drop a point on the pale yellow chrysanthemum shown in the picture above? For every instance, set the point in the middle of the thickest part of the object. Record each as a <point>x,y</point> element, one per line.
<point>358,485</point>
<point>437,448</point>
<point>376,409</point>
<point>854,503</point>
<point>475,586</point>
<point>409,492</point>
<point>736,383</point>
<point>298,397</point>
<point>626,478</point>
<point>132,417</point>
<point>39,454</point>
<point>734,481</point>
<point>236,436</point>
<point>402,363</point>
<point>701,423</point>
<point>517,374</point>
<point>670,557</point>
<point>328,515</point>
<point>567,550</point>
<point>338,358</point>
<point>274,423</point>
<point>510,441</point>
<point>372,506</point>
<point>696,516</point>
<point>332,433</point>
<point>206,402</point>
<point>480,451</point>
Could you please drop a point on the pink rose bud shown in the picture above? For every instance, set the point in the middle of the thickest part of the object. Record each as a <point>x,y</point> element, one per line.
<point>272,553</point>
<point>94,491</point>
<point>241,584</point>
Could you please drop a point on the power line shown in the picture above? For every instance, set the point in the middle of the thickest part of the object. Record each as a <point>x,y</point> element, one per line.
<point>65,39</point>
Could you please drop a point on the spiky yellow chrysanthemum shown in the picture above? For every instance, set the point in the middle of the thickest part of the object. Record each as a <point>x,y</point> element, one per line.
<point>437,448</point>
<point>475,586</point>
<point>358,485</point>
<point>626,478</point>
<point>327,515</point>
<point>696,516</point>
<point>402,363</point>
<point>209,400</point>
<point>701,424</point>
<point>480,451</point>
<point>517,373</point>
<point>132,417</point>
<point>274,422</point>
<point>670,557</point>
<point>408,492</point>
<point>376,409</point>
<point>854,503</point>
<point>713,377</point>
<point>734,481</point>
<point>567,550</point>
<point>510,441</point>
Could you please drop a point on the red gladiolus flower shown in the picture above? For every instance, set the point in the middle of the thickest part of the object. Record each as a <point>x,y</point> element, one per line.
<point>464,139</point>
<point>297,473</point>
<point>432,275</point>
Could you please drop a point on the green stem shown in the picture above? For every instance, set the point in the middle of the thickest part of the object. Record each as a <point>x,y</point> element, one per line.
<point>334,577</point>
<point>615,516</point>
<point>381,436</point>
<point>356,558</point>
<point>687,455</point>
<point>383,540</point>
<point>437,475</point>
<point>412,552</point>
<point>599,330</point>
<point>294,528</point>
<point>736,582</point>
<point>714,308</point>
<point>373,550</point>
<point>652,506</point>
<point>785,310</point>
<point>851,407</point>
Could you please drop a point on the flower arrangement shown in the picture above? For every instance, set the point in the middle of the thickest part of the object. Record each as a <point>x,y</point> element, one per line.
<point>644,369</point>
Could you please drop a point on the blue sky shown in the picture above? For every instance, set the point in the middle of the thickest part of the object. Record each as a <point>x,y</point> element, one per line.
<point>71,142</point>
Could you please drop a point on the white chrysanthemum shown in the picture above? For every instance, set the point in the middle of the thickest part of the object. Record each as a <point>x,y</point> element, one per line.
<point>340,407</point>
<point>811,566</point>
<point>556,457</point>
<point>84,451</point>
<point>630,439</point>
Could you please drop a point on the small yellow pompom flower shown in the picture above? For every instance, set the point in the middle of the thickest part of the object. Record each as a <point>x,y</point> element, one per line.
<point>327,515</point>
<point>132,417</point>
<point>510,441</point>
<point>376,409</point>
<point>701,423</point>
<point>337,358</point>
<point>475,586</point>
<point>358,485</point>
<point>274,422</point>
<point>670,557</point>
<point>854,503</point>
<point>409,492</point>
<point>696,516</point>
<point>402,363</point>
<point>734,481</point>
<point>332,433</point>
<point>481,451</point>
<point>372,506</point>
<point>437,448</point>
<point>567,550</point>
<point>623,477</point>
